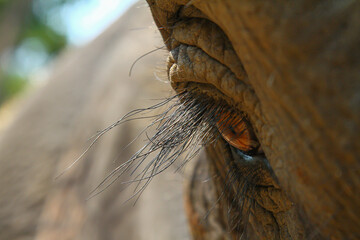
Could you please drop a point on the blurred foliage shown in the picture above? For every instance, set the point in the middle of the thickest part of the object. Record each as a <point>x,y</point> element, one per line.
<point>10,85</point>
<point>3,4</point>
<point>35,26</point>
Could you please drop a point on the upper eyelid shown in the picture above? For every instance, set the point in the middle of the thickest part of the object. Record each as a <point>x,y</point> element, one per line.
<point>217,45</point>
<point>184,69</point>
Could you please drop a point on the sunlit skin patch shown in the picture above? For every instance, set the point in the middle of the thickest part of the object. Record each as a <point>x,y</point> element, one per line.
<point>236,131</point>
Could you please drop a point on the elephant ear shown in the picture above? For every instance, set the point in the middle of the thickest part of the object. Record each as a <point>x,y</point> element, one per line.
<point>293,70</point>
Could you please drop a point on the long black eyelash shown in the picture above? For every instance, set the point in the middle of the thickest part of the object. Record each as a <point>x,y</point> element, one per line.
<point>188,124</point>
<point>191,122</point>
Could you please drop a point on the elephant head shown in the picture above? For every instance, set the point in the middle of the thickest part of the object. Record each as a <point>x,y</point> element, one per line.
<point>279,84</point>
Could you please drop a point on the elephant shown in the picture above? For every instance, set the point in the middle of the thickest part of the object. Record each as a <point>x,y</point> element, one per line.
<point>271,129</point>
<point>285,164</point>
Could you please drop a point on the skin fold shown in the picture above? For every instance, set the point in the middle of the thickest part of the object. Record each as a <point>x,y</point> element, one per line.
<point>292,68</point>
<point>289,68</point>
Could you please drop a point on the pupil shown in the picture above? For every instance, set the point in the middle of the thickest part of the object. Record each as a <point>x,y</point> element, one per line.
<point>232,130</point>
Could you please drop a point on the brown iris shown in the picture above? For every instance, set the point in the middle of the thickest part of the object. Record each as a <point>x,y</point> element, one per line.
<point>237,132</point>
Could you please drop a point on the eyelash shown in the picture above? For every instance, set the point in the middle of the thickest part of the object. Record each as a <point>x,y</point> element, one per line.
<point>189,123</point>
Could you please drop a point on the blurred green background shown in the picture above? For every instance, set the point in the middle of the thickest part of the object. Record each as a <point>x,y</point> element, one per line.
<point>33,33</point>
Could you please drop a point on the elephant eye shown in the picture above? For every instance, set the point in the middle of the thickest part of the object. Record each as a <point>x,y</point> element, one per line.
<point>237,132</point>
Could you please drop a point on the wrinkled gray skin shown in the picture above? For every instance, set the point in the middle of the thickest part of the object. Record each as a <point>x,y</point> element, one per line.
<point>293,68</point>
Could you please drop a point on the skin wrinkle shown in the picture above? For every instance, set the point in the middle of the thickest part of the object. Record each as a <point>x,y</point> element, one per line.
<point>262,128</point>
<point>191,65</point>
<point>269,199</point>
<point>272,219</point>
<point>329,171</point>
<point>195,32</point>
<point>320,192</point>
<point>270,137</point>
<point>267,220</point>
<point>228,58</point>
<point>169,10</point>
<point>191,11</point>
